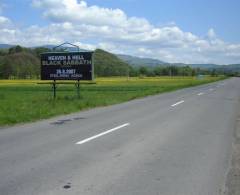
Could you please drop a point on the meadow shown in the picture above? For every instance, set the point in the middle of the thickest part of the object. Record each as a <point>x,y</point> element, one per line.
<point>25,100</point>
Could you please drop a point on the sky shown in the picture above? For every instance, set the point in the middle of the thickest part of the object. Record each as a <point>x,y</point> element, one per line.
<point>187,31</point>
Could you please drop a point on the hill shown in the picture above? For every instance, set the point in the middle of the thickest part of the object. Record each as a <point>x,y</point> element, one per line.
<point>137,61</point>
<point>149,62</point>
<point>232,69</point>
<point>108,64</point>
<point>19,62</point>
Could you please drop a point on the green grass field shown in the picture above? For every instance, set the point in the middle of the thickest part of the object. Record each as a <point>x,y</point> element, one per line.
<point>25,100</point>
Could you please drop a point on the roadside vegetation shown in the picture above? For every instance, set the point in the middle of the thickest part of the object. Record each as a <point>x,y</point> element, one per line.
<point>25,100</point>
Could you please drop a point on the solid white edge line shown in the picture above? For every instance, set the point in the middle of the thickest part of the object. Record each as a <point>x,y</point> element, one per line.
<point>180,102</point>
<point>102,134</point>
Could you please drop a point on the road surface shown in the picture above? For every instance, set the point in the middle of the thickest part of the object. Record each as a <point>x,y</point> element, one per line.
<point>177,143</point>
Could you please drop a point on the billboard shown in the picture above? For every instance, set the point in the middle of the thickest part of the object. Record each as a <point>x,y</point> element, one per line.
<point>67,66</point>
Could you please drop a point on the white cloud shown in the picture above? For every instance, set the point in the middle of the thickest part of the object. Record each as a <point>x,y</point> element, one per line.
<point>79,12</point>
<point>111,29</point>
<point>8,33</point>
<point>4,21</point>
<point>85,46</point>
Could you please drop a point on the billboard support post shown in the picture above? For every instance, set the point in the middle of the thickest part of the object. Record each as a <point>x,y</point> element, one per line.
<point>78,89</point>
<point>54,89</point>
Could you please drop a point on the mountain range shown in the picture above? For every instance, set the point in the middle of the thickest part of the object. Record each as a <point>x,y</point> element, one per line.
<point>6,46</point>
<point>137,61</point>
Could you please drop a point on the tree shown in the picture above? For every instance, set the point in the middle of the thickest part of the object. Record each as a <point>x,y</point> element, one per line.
<point>37,51</point>
<point>194,72</point>
<point>133,72</point>
<point>5,69</point>
<point>18,49</point>
<point>214,72</point>
<point>143,70</point>
<point>158,71</point>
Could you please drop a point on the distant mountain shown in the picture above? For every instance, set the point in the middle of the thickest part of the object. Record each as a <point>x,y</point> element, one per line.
<point>201,66</point>
<point>137,61</point>
<point>233,66</point>
<point>205,66</point>
<point>6,46</point>
<point>230,68</point>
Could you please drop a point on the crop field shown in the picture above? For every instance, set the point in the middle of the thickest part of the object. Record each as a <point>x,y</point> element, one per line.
<point>25,100</point>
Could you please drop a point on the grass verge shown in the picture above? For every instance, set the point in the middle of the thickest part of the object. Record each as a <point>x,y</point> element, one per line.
<point>25,101</point>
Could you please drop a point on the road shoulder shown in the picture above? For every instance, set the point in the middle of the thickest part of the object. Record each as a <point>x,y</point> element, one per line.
<point>233,176</point>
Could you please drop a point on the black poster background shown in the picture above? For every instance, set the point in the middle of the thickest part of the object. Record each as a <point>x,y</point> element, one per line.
<point>61,67</point>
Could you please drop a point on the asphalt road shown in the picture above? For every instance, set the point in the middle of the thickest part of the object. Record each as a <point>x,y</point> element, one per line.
<point>177,143</point>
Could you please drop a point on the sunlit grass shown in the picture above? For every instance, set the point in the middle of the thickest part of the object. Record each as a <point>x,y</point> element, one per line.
<point>27,100</point>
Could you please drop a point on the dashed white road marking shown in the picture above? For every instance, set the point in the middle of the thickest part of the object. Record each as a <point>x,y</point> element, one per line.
<point>201,93</point>
<point>176,104</point>
<point>102,134</point>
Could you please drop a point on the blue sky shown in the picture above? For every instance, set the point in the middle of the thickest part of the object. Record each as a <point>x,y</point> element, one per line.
<point>196,16</point>
<point>206,31</point>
